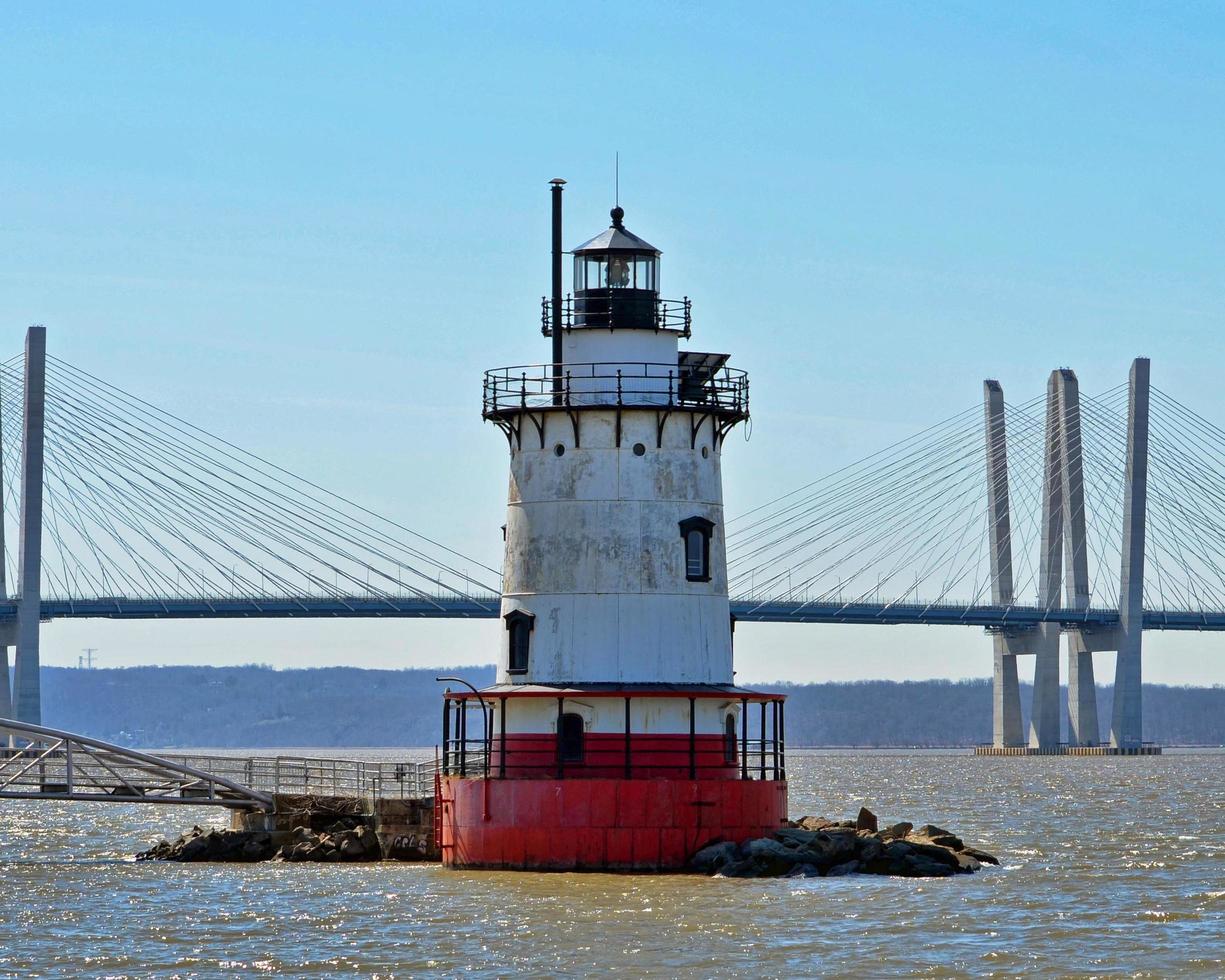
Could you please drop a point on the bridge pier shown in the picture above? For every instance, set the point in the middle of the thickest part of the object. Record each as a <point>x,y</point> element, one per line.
<point>27,693</point>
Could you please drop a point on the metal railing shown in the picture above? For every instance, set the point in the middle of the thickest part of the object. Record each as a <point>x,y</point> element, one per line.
<point>611,311</point>
<point>615,384</point>
<point>300,775</point>
<point>44,763</point>
<point>479,747</point>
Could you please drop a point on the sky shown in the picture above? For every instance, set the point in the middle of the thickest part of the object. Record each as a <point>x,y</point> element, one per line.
<point>309,228</point>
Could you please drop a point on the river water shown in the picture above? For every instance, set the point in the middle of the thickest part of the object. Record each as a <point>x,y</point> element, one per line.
<point>1110,867</point>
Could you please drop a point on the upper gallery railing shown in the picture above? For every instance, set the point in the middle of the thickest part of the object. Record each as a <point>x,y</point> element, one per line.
<point>724,391</point>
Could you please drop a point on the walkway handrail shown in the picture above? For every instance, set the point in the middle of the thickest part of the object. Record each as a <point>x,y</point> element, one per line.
<point>38,733</point>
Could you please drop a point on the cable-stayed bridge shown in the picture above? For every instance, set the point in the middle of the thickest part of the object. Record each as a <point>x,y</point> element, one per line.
<point>1033,520</point>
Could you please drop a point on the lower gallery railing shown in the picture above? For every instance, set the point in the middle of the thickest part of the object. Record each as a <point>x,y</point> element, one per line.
<point>756,751</point>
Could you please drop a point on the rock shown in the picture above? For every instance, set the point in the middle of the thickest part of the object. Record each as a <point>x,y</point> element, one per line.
<point>868,848</point>
<point>713,857</point>
<point>368,839</point>
<point>967,865</point>
<point>351,848</point>
<point>934,852</point>
<point>830,847</point>
<point>846,868</point>
<point>921,866</point>
<point>814,823</point>
<point>743,868</point>
<point>897,830</point>
<point>803,871</point>
<point>982,856</point>
<point>770,857</point>
<point>866,820</point>
<point>331,854</point>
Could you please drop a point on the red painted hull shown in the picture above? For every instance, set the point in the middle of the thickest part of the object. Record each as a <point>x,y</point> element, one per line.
<point>600,824</point>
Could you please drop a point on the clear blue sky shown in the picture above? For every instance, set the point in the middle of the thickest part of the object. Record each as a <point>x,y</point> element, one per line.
<point>310,227</point>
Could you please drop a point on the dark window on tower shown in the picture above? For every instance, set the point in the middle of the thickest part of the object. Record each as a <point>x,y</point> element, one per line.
<point>695,533</point>
<point>571,738</point>
<point>519,624</point>
<point>729,739</point>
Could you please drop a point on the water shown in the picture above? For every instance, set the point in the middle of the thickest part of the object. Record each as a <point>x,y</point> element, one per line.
<point>1111,867</point>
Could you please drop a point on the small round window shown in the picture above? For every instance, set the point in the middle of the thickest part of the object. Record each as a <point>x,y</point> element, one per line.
<point>559,450</point>
<point>639,449</point>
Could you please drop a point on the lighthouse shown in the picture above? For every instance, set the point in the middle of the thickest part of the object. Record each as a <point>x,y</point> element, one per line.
<point>615,737</point>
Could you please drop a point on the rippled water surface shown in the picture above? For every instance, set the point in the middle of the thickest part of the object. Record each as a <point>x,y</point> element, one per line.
<point>1110,867</point>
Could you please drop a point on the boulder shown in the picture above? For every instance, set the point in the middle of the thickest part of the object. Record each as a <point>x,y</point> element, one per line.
<point>846,868</point>
<point>830,847</point>
<point>744,868</point>
<point>982,856</point>
<point>896,830</point>
<point>771,857</point>
<point>352,848</point>
<point>814,823</point>
<point>868,847</point>
<point>713,857</point>
<point>866,820</point>
<point>922,866</point>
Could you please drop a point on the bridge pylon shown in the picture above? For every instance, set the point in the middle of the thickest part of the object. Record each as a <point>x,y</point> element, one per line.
<point>1064,570</point>
<point>27,691</point>
<point>1126,725</point>
<point>1006,692</point>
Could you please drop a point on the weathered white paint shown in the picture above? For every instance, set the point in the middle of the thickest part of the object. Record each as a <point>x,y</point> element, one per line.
<point>594,551</point>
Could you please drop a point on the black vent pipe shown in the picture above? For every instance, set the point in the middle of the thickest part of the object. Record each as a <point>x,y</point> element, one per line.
<point>557,184</point>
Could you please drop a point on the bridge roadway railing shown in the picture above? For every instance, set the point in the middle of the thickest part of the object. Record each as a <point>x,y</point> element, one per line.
<point>746,608</point>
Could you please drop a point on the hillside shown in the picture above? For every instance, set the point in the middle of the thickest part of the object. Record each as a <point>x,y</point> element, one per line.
<point>256,707</point>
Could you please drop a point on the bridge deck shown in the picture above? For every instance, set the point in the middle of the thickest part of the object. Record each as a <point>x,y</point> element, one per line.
<point>488,607</point>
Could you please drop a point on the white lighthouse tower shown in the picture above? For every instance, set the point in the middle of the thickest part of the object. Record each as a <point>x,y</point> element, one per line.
<point>614,737</point>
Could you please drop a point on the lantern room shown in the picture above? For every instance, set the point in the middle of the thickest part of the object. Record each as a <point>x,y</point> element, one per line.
<point>616,280</point>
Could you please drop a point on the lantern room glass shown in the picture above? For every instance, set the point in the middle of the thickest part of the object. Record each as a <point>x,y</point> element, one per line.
<point>616,270</point>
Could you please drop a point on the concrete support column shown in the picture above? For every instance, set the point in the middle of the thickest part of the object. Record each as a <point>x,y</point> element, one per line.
<point>28,693</point>
<point>1044,713</point>
<point>1005,699</point>
<point>1126,724</point>
<point>1006,690</point>
<point>1082,693</point>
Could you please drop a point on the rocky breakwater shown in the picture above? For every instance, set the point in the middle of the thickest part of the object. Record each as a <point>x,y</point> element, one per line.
<point>813,847</point>
<point>347,839</point>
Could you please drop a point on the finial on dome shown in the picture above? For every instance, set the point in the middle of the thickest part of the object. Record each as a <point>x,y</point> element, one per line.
<point>617,214</point>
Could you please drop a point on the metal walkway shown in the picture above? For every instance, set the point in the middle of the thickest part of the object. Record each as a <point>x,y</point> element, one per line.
<point>54,765</point>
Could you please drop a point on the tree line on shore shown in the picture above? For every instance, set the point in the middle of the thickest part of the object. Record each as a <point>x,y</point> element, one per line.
<point>255,706</point>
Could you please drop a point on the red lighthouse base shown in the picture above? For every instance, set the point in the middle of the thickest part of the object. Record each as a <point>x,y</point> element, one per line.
<point>599,824</point>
